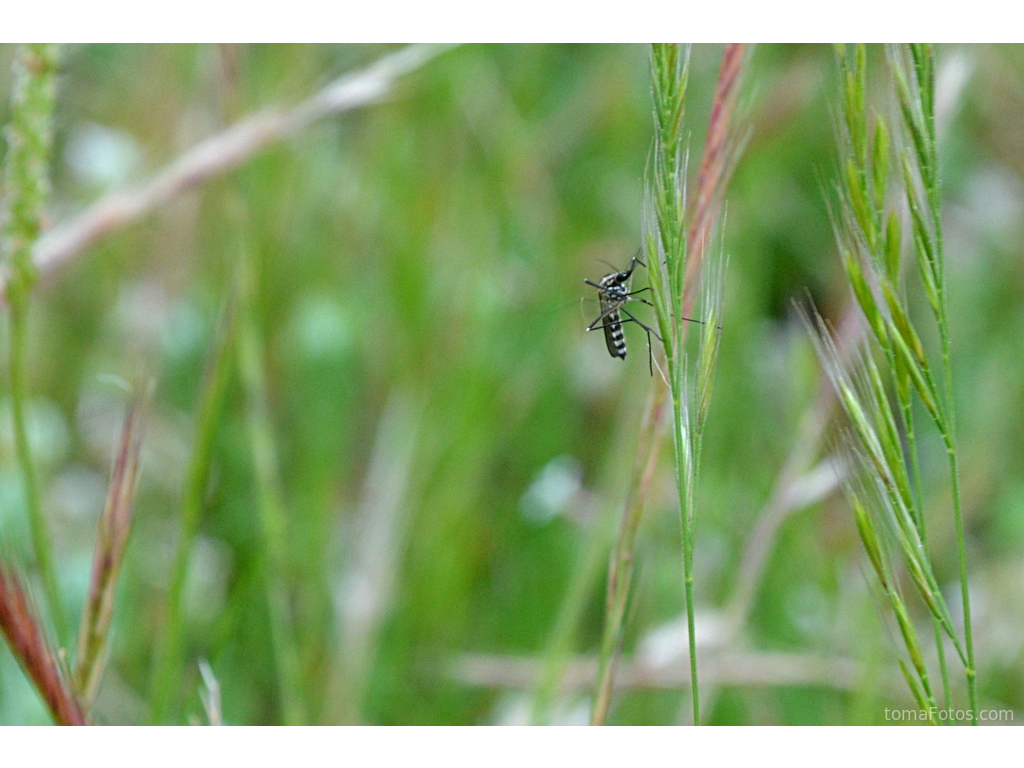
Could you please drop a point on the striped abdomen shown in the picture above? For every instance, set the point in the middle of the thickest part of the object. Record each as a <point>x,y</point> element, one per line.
<point>613,335</point>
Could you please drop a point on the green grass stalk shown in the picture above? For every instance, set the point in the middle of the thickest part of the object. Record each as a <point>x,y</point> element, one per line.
<point>167,668</point>
<point>866,190</point>
<point>252,369</point>
<point>666,257</point>
<point>877,488</point>
<point>914,74</point>
<point>720,152</point>
<point>891,518</point>
<point>666,247</point>
<point>915,469</point>
<point>269,494</point>
<point>29,140</point>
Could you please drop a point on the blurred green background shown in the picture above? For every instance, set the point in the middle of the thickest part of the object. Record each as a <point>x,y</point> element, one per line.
<point>451,442</point>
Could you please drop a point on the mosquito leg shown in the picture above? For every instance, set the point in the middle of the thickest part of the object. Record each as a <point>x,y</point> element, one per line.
<point>594,325</point>
<point>629,319</point>
<point>646,328</point>
<point>606,325</point>
<point>699,322</point>
<point>650,354</point>
<point>637,260</point>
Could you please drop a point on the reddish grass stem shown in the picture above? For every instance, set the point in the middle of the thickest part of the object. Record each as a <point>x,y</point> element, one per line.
<point>24,633</point>
<point>111,539</point>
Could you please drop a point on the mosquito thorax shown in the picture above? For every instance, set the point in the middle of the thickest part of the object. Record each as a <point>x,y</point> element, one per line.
<point>615,282</point>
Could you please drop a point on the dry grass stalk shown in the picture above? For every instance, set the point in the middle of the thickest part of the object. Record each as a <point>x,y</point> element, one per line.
<point>740,668</point>
<point>112,538</point>
<point>367,591</point>
<point>218,155</point>
<point>25,637</point>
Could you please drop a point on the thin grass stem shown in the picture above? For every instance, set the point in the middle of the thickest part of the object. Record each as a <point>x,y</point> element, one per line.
<point>916,86</point>
<point>915,468</point>
<point>620,570</point>
<point>168,664</point>
<point>252,370</point>
<point>220,154</point>
<point>666,258</point>
<point>954,469</point>
<point>269,495</point>
<point>111,541</point>
<point>29,139</point>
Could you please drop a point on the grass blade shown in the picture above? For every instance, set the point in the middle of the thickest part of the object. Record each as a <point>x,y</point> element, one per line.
<point>111,540</point>
<point>168,664</point>
<point>24,633</point>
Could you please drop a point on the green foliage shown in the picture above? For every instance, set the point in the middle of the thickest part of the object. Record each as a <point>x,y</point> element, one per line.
<point>416,359</point>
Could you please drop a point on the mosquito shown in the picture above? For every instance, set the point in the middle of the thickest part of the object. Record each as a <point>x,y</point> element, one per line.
<point>613,293</point>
